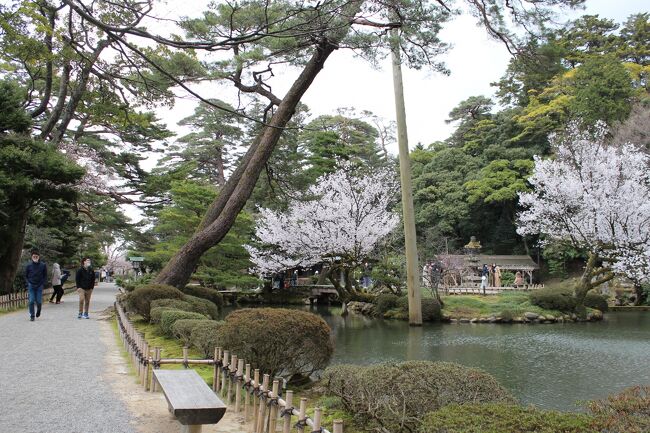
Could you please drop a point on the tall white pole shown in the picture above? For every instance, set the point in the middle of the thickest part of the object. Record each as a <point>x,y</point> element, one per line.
<point>412,269</point>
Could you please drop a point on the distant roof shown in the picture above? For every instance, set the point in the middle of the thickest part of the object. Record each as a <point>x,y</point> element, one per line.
<point>136,259</point>
<point>508,262</point>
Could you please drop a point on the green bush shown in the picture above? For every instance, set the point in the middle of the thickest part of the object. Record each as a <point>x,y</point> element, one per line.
<point>278,341</point>
<point>385,302</point>
<point>205,337</point>
<point>182,329</point>
<point>431,310</point>
<point>403,303</point>
<point>599,302</point>
<point>504,418</point>
<point>562,299</point>
<point>553,299</point>
<point>139,300</point>
<point>507,315</point>
<point>626,412</point>
<point>203,306</point>
<point>169,317</point>
<point>205,293</point>
<point>160,305</point>
<point>396,396</point>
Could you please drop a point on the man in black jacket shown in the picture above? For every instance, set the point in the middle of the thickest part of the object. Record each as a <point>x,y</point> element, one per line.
<point>85,281</point>
<point>35,277</point>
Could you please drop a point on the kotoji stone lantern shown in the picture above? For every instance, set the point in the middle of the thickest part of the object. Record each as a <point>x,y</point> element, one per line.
<point>473,248</point>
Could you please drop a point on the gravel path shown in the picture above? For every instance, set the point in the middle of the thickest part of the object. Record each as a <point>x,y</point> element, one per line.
<point>51,371</point>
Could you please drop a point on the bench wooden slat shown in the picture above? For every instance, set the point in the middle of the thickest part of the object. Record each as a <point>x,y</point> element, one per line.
<point>190,400</point>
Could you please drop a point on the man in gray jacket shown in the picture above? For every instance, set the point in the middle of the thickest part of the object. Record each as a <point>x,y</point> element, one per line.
<point>35,277</point>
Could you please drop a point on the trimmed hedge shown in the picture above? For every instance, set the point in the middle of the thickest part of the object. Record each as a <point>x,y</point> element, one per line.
<point>562,299</point>
<point>553,299</point>
<point>385,302</point>
<point>182,329</point>
<point>203,306</point>
<point>396,396</point>
<point>205,337</point>
<point>160,305</point>
<point>169,317</point>
<point>139,300</point>
<point>211,295</point>
<point>504,418</point>
<point>278,341</point>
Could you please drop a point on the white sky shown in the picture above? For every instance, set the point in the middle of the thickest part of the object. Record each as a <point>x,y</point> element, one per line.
<point>475,61</point>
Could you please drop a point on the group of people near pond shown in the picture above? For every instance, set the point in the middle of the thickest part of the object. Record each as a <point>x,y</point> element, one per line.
<point>36,280</point>
<point>491,276</point>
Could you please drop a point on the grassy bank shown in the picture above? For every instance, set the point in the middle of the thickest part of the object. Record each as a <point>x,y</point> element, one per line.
<point>514,304</point>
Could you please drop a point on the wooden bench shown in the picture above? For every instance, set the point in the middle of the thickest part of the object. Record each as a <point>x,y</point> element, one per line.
<point>189,399</point>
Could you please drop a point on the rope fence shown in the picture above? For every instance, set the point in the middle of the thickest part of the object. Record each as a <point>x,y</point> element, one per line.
<point>243,388</point>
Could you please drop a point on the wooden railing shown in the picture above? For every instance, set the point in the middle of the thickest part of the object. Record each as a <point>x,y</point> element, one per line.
<point>20,299</point>
<point>244,389</point>
<point>489,290</point>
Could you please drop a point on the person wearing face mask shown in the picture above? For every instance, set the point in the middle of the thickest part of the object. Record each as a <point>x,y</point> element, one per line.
<point>85,280</point>
<point>35,277</point>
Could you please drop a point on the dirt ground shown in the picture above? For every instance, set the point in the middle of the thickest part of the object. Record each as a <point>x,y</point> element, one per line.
<point>150,409</point>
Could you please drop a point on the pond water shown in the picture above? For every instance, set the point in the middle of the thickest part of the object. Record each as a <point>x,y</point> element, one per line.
<point>553,366</point>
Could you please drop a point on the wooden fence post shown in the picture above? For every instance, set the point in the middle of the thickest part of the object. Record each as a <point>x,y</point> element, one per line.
<point>288,409</point>
<point>224,370</point>
<point>247,379</point>
<point>273,418</point>
<point>185,357</point>
<point>256,388</point>
<point>238,384</point>
<point>231,374</point>
<point>303,414</point>
<point>317,418</point>
<point>261,418</point>
<point>216,373</point>
<point>338,426</point>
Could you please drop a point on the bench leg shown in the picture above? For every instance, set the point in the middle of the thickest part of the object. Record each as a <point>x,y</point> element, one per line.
<point>191,428</point>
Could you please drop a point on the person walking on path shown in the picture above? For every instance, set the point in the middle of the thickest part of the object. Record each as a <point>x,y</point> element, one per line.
<point>57,283</point>
<point>85,281</point>
<point>35,277</point>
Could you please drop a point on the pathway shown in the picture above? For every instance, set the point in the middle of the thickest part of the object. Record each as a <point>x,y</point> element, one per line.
<point>61,374</point>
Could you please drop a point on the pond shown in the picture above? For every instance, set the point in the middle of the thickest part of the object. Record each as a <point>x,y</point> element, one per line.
<point>553,366</point>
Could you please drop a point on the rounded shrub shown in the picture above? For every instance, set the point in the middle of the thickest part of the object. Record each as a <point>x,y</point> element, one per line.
<point>502,418</point>
<point>182,329</point>
<point>403,303</point>
<point>203,306</point>
<point>205,337</point>
<point>625,412</point>
<point>169,317</point>
<point>396,396</point>
<point>385,302</point>
<point>553,299</point>
<point>159,305</point>
<point>205,293</point>
<point>431,310</point>
<point>139,300</point>
<point>599,302</point>
<point>278,341</point>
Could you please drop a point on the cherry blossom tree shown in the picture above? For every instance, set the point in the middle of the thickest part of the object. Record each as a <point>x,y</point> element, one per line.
<point>339,224</point>
<point>598,197</point>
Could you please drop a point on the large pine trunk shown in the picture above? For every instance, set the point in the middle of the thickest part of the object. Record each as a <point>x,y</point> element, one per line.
<point>222,213</point>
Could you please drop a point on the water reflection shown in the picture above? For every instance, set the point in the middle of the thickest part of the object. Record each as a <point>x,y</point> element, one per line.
<point>552,366</point>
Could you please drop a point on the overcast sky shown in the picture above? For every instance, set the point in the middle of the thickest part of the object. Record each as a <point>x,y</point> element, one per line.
<point>475,61</point>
